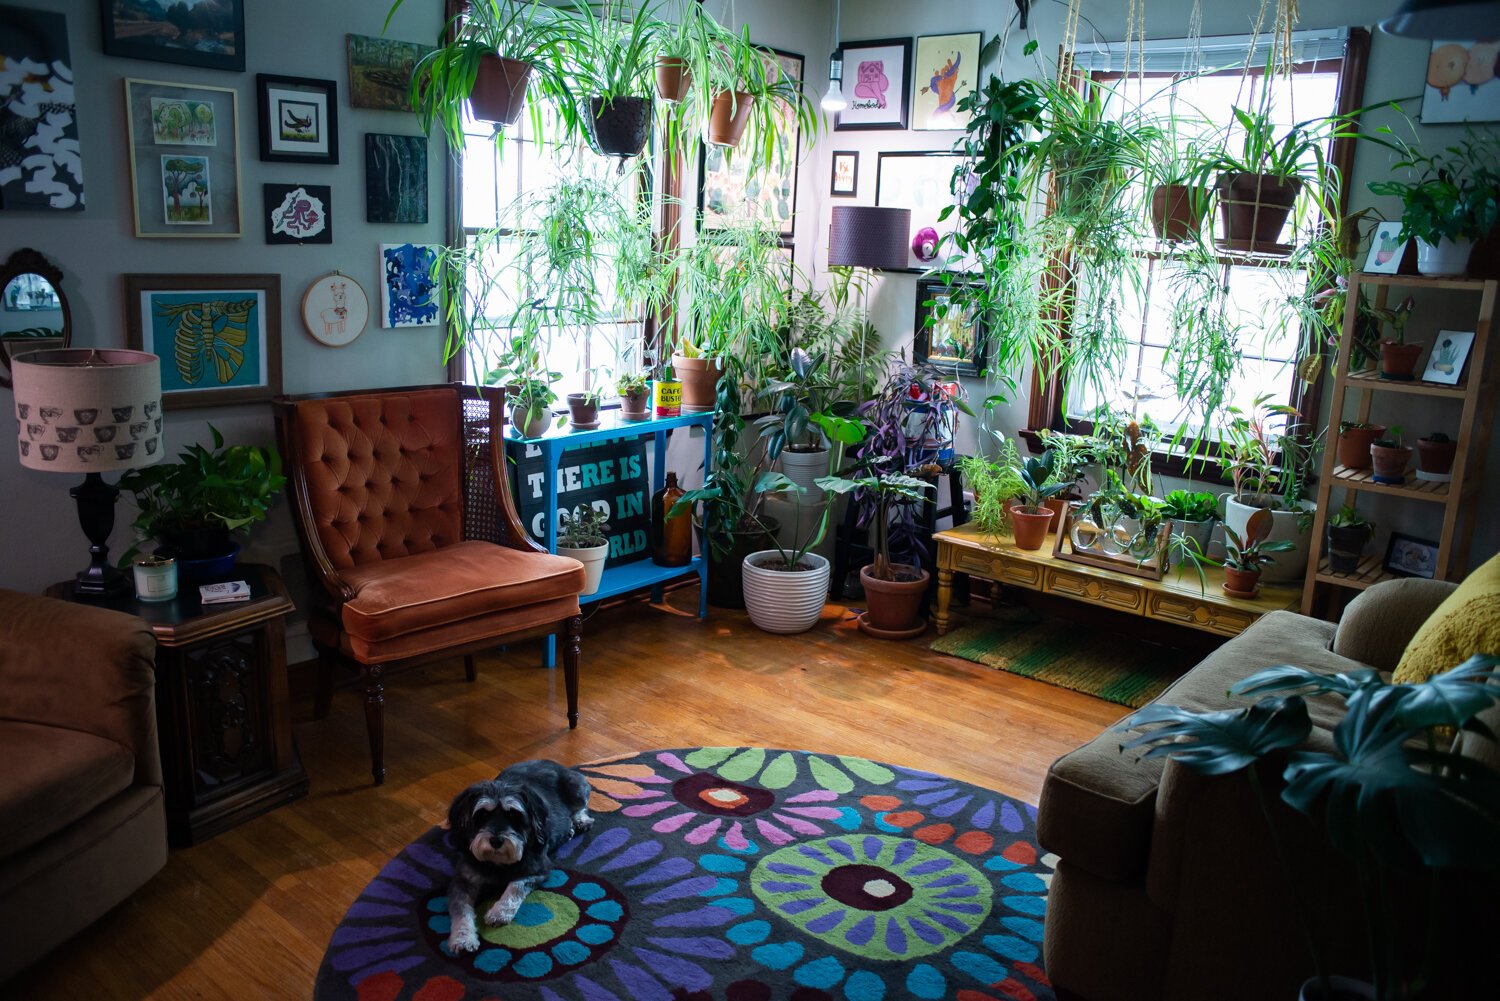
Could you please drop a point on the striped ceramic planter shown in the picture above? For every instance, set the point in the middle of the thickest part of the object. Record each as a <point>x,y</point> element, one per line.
<point>781,601</point>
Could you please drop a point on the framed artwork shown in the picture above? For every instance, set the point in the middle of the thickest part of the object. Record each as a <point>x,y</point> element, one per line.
<point>922,182</point>
<point>218,336</point>
<point>878,76</point>
<point>40,166</point>
<point>380,72</point>
<point>335,309</point>
<point>845,182</point>
<point>1408,556</point>
<point>729,193</point>
<point>1450,351</point>
<point>947,68</point>
<point>408,293</point>
<point>1386,250</point>
<point>299,213</point>
<point>299,119</point>
<point>209,33</point>
<point>395,178</point>
<point>1461,84</point>
<point>184,159</point>
<point>946,335</point>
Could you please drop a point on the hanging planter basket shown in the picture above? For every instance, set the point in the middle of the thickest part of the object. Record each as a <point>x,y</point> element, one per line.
<point>499,91</point>
<point>619,126</point>
<point>1177,211</point>
<point>1254,210</point>
<point>729,117</point>
<point>673,79</point>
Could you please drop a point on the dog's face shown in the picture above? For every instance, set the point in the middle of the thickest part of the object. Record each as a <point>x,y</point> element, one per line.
<point>496,821</point>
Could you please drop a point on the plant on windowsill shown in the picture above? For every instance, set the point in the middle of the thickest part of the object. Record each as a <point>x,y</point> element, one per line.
<point>634,390</point>
<point>1452,200</point>
<point>585,537</point>
<point>1393,792</point>
<point>893,591</point>
<point>1247,553</point>
<point>994,483</point>
<point>1349,533</point>
<point>611,53</point>
<point>1193,513</point>
<point>1270,456</point>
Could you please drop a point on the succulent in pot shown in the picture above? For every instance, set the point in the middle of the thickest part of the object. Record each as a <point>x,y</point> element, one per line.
<point>585,537</point>
<point>1348,534</point>
<point>1398,359</point>
<point>1390,459</point>
<point>1245,555</point>
<point>1031,519</point>
<point>1355,439</point>
<point>1435,455</point>
<point>635,396</point>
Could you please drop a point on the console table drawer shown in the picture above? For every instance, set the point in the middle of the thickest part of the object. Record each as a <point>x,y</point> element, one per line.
<point>1196,614</point>
<point>1095,590</point>
<point>998,568</point>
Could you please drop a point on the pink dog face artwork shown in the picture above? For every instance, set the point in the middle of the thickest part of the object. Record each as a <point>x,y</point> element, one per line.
<point>871,84</point>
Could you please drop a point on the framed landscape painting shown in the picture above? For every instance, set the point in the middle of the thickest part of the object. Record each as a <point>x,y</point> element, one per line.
<point>408,293</point>
<point>218,336</point>
<point>184,159</point>
<point>40,165</point>
<point>209,33</point>
<point>380,72</point>
<point>299,119</point>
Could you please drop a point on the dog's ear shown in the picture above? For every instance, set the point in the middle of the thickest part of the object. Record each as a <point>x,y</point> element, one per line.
<point>536,813</point>
<point>478,797</point>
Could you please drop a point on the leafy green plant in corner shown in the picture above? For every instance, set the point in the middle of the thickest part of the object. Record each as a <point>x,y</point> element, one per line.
<point>1037,483</point>
<point>802,404</point>
<point>1454,194</point>
<point>1348,516</point>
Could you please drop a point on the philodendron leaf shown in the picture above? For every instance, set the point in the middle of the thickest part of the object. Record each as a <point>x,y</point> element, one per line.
<point>1452,698</point>
<point>1287,678</point>
<point>1217,743</point>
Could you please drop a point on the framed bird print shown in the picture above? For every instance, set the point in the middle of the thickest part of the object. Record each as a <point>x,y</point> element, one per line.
<point>299,119</point>
<point>946,71</point>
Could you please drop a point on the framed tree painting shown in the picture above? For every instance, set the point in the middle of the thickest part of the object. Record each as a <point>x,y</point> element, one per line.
<point>877,76</point>
<point>299,213</point>
<point>40,165</point>
<point>922,182</point>
<point>380,72</point>
<point>395,178</point>
<point>947,69</point>
<point>729,193</point>
<point>218,336</point>
<point>209,33</point>
<point>184,159</point>
<point>299,119</point>
<point>408,292</point>
<point>946,335</point>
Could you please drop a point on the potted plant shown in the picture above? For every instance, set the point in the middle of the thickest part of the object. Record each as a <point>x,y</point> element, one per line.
<point>193,506</point>
<point>1392,791</point>
<point>1245,555</point>
<point>635,396</point>
<point>531,402</point>
<point>1435,455</point>
<point>583,410</point>
<point>1193,513</point>
<point>1355,439</point>
<point>1270,458</point>
<point>585,537</point>
<point>804,414</point>
<point>893,591</point>
<point>786,588</point>
<point>1348,534</point>
<point>749,96</point>
<point>699,376</point>
<point>1451,201</point>
<point>1029,518</point>
<point>1398,359</point>
<point>1179,198</point>
<point>1390,459</point>
<point>612,53</point>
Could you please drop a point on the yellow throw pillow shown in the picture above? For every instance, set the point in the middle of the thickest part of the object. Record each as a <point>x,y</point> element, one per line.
<point>1466,623</point>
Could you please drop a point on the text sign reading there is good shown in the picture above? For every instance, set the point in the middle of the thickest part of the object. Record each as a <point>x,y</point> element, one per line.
<point>610,477</point>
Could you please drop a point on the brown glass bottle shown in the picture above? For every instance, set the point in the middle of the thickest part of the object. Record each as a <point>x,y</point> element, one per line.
<point>672,538</point>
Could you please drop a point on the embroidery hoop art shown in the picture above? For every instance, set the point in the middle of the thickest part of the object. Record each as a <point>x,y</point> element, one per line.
<point>321,316</point>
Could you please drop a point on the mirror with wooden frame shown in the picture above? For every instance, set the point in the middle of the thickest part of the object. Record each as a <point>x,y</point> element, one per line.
<point>33,310</point>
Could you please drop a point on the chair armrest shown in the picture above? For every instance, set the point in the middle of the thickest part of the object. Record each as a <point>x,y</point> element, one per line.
<point>81,667</point>
<point>1377,625</point>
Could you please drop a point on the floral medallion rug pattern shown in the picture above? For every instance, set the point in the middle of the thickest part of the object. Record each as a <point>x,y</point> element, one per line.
<point>732,874</point>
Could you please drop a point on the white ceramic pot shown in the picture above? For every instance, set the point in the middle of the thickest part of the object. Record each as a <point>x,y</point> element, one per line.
<point>1291,566</point>
<point>592,559</point>
<point>1446,257</point>
<point>781,601</point>
<point>803,468</point>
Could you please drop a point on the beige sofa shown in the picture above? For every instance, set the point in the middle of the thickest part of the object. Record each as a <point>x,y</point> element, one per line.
<point>1167,886</point>
<point>82,823</point>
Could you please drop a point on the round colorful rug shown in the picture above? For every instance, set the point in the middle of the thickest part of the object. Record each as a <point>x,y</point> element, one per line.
<point>740,874</point>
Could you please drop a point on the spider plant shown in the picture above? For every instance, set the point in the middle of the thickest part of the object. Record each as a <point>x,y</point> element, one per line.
<point>611,46</point>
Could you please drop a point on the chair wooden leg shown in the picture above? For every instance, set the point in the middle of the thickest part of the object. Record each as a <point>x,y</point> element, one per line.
<point>375,718</point>
<point>471,670</point>
<point>572,631</point>
<point>323,695</point>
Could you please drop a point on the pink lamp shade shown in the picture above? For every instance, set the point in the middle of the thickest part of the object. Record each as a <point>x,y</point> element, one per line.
<point>88,411</point>
<point>869,236</point>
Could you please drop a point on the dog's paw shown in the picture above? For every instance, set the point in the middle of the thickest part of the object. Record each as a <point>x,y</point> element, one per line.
<point>582,821</point>
<point>460,942</point>
<point>502,911</point>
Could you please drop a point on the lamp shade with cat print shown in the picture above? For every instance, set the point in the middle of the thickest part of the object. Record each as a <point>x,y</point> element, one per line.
<point>88,411</point>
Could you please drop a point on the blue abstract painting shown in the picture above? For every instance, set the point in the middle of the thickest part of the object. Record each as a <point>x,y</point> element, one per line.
<point>408,293</point>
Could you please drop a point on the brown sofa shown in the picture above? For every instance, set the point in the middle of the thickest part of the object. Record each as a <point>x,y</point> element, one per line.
<point>82,824</point>
<point>1167,886</point>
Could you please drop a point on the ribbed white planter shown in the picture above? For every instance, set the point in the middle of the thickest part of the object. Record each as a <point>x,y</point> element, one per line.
<point>1291,566</point>
<point>1446,257</point>
<point>592,559</point>
<point>780,601</point>
<point>803,469</point>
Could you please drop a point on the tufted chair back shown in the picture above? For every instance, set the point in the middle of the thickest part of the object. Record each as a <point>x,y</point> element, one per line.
<point>382,472</point>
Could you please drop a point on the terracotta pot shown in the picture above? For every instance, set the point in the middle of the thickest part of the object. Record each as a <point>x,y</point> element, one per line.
<point>1390,463</point>
<point>1346,546</point>
<point>499,91</point>
<point>729,117</point>
<point>636,406</point>
<point>1354,445</point>
<point>700,382</point>
<point>1057,505</point>
<point>1435,458</point>
<point>1254,207</point>
<point>1241,583</point>
<point>1177,211</point>
<point>673,78</point>
<point>1398,361</point>
<point>619,126</point>
<point>583,411</point>
<point>1030,528</point>
<point>892,605</point>
<point>1289,567</point>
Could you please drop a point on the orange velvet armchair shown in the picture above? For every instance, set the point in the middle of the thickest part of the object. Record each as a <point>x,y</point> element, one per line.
<point>412,539</point>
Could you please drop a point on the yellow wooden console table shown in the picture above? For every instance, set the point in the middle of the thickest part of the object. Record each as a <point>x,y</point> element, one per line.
<point>1177,598</point>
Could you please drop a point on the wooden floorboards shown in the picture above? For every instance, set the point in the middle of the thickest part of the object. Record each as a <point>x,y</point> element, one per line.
<point>247,915</point>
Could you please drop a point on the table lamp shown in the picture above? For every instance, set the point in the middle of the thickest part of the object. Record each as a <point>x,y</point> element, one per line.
<point>869,236</point>
<point>90,411</point>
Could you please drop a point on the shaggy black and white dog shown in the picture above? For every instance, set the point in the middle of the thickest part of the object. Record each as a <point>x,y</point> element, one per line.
<point>506,831</point>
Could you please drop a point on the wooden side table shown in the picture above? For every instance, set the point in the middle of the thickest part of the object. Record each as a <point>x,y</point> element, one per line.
<point>222,712</point>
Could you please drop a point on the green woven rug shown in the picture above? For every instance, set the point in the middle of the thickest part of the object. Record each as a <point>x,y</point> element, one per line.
<point>1128,673</point>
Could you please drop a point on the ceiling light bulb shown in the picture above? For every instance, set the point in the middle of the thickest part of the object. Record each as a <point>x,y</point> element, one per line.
<point>834,100</point>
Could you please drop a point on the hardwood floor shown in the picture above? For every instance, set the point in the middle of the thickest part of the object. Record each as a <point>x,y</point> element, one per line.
<point>248,914</point>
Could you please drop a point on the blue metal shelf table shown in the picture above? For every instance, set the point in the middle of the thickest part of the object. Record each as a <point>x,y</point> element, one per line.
<point>642,573</point>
